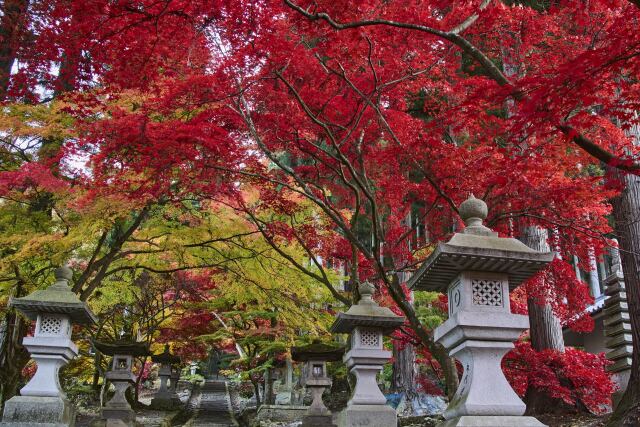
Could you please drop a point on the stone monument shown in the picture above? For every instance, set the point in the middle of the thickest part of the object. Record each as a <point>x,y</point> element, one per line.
<point>316,355</point>
<point>367,323</point>
<point>166,397</point>
<point>477,269</point>
<point>121,376</point>
<point>55,309</point>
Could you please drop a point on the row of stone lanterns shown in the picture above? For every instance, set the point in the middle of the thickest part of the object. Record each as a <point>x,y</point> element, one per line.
<point>42,402</point>
<point>476,269</point>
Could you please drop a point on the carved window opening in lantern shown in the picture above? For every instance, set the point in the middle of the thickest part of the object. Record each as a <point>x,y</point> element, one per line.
<point>121,364</point>
<point>317,371</point>
<point>487,292</point>
<point>50,325</point>
<point>370,338</point>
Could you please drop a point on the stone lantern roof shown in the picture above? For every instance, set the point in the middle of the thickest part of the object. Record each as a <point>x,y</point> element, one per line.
<point>478,248</point>
<point>57,298</point>
<point>122,347</point>
<point>366,313</point>
<point>166,357</point>
<point>318,350</point>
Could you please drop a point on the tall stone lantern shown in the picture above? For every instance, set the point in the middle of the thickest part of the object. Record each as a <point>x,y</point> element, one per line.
<point>55,309</point>
<point>121,376</point>
<point>315,356</point>
<point>367,323</point>
<point>477,269</point>
<point>166,397</point>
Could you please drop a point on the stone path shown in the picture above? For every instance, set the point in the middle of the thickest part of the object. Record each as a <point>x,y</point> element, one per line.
<point>211,406</point>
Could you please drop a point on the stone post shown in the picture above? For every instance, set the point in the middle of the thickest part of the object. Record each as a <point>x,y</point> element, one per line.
<point>42,401</point>
<point>367,323</point>
<point>477,269</point>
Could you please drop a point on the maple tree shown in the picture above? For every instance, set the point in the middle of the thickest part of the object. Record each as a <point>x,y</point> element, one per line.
<point>372,114</point>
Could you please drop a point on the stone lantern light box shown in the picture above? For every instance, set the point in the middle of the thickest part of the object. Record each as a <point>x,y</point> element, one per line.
<point>477,268</point>
<point>55,310</point>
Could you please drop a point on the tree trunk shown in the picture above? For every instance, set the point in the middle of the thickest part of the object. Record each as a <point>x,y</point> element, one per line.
<point>13,356</point>
<point>545,329</point>
<point>12,27</point>
<point>404,370</point>
<point>269,398</point>
<point>626,212</point>
<point>256,390</point>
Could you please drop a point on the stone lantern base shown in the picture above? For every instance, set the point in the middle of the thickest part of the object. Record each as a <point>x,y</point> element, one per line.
<point>317,421</point>
<point>368,415</point>
<point>167,401</point>
<point>38,411</point>
<point>491,421</point>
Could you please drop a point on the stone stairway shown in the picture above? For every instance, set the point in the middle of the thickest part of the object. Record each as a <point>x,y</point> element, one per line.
<point>211,406</point>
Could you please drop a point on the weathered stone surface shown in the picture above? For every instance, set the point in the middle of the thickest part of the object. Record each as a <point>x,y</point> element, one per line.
<point>37,411</point>
<point>367,416</point>
<point>281,413</point>
<point>492,421</point>
<point>318,421</point>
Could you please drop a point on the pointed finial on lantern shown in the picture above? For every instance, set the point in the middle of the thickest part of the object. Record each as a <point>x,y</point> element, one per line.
<point>63,273</point>
<point>473,212</point>
<point>366,291</point>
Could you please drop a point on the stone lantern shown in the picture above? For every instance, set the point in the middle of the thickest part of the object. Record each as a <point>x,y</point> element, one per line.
<point>166,397</point>
<point>55,309</point>
<point>121,376</point>
<point>316,355</point>
<point>367,323</point>
<point>477,269</point>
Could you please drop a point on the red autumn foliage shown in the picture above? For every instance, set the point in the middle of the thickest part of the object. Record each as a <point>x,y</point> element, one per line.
<point>576,377</point>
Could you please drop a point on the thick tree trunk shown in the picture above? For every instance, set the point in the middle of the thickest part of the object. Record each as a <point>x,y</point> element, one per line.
<point>13,356</point>
<point>404,370</point>
<point>269,397</point>
<point>12,27</point>
<point>626,212</point>
<point>545,329</point>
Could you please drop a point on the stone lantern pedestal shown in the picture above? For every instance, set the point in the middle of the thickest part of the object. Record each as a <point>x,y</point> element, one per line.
<point>121,376</point>
<point>477,269</point>
<point>42,401</point>
<point>316,355</point>
<point>367,323</point>
<point>166,397</point>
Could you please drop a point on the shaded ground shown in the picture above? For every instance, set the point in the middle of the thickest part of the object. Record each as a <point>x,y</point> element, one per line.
<point>573,420</point>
